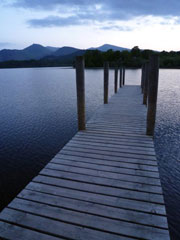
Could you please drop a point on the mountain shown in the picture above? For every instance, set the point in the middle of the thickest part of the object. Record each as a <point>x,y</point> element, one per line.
<point>65,51</point>
<point>64,58</point>
<point>107,47</point>
<point>52,49</point>
<point>35,51</point>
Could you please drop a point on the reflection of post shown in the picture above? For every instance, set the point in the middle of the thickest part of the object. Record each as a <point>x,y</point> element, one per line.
<point>106,81</point>
<point>145,88</point>
<point>115,79</point>
<point>120,78</point>
<point>80,92</point>
<point>152,94</point>
<point>124,76</point>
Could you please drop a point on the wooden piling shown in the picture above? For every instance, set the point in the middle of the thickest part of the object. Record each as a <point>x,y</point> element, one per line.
<point>145,86</point>
<point>106,81</point>
<point>115,79</point>
<point>80,86</point>
<point>120,78</point>
<point>152,94</point>
<point>124,76</point>
<point>143,77</point>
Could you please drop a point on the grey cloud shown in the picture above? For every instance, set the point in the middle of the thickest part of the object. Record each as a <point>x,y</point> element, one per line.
<point>127,7</point>
<point>52,21</point>
<point>118,28</point>
<point>51,4</point>
<point>86,11</point>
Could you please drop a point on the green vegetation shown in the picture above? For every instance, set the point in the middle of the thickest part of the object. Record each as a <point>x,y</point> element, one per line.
<point>95,58</point>
<point>132,59</point>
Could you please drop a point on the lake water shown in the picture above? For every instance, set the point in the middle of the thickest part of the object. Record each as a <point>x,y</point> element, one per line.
<point>38,116</point>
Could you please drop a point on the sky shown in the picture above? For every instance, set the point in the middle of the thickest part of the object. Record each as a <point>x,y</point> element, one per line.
<point>149,24</point>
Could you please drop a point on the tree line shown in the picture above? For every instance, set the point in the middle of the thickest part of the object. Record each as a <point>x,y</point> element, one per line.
<point>95,58</point>
<point>132,59</point>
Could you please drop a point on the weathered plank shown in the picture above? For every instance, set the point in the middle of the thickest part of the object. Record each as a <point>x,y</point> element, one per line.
<point>12,232</point>
<point>118,183</point>
<point>109,176</point>
<point>87,220</point>
<point>94,208</point>
<point>97,198</point>
<point>104,190</point>
<point>55,227</point>
<point>109,166</point>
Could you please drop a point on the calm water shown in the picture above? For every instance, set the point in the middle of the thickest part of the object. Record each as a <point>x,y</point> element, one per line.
<point>38,116</point>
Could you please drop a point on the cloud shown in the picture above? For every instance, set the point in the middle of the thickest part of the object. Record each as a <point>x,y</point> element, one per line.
<point>117,28</point>
<point>52,21</point>
<point>124,7</point>
<point>65,13</point>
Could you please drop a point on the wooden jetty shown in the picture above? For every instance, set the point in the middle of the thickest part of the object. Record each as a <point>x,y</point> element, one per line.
<point>103,185</point>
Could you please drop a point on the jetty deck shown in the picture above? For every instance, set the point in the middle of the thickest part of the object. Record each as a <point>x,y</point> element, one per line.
<point>103,185</point>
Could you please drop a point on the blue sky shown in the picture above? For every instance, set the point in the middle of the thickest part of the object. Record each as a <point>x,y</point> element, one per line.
<point>151,24</point>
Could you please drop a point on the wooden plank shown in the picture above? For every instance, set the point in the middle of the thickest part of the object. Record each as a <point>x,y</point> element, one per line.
<point>54,227</point>
<point>140,137</point>
<point>89,221</point>
<point>96,209</point>
<point>93,155</point>
<point>100,189</point>
<point>97,198</point>
<point>97,173</point>
<point>117,127</point>
<point>115,138</point>
<point>117,131</point>
<point>118,146</point>
<point>109,166</point>
<point>109,152</point>
<point>119,183</point>
<point>110,148</point>
<point>12,232</point>
<point>120,142</point>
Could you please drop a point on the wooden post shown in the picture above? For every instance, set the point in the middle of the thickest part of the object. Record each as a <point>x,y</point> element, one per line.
<point>80,92</point>
<point>152,94</point>
<point>106,82</point>
<point>120,78</point>
<point>143,77</point>
<point>145,88</point>
<point>123,76</point>
<point>115,79</point>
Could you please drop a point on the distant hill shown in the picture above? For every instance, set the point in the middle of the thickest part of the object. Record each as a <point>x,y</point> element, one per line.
<point>107,47</point>
<point>65,51</point>
<point>52,49</point>
<point>66,58</point>
<point>35,51</point>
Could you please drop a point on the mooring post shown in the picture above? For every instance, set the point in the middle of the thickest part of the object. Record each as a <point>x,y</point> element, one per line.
<point>80,92</point>
<point>143,77</point>
<point>106,81</point>
<point>152,94</point>
<point>145,88</point>
<point>115,79</point>
<point>120,78</point>
<point>124,76</point>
